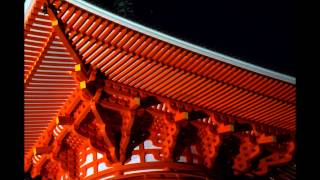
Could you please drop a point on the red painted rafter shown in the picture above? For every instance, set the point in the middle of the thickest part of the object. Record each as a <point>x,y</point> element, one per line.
<point>59,31</point>
<point>39,59</point>
<point>126,52</point>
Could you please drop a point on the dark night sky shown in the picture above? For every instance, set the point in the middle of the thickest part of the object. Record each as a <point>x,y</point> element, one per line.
<point>260,32</point>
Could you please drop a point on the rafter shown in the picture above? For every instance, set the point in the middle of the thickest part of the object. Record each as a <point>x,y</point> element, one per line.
<point>60,32</point>
<point>39,59</point>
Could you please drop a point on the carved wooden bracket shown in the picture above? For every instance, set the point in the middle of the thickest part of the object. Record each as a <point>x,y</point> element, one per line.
<point>66,153</point>
<point>36,169</point>
<point>101,132</point>
<point>127,122</point>
<point>248,151</point>
<point>252,144</point>
<point>173,123</point>
<point>278,157</point>
<point>171,131</point>
<point>210,143</point>
<point>50,169</point>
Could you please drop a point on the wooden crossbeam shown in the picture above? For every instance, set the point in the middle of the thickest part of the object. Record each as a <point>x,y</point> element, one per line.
<point>225,128</point>
<point>60,32</point>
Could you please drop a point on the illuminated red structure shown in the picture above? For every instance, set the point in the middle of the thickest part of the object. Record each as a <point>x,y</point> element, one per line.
<point>106,98</point>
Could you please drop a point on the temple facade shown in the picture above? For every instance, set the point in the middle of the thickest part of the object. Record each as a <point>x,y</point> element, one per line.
<point>106,98</point>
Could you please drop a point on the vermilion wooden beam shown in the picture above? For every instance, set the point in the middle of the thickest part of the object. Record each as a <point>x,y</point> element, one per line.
<point>59,31</point>
<point>42,150</point>
<point>225,128</point>
<point>180,116</point>
<point>266,139</point>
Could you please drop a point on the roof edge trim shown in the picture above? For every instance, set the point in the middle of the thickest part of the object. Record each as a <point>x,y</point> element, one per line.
<point>28,4</point>
<point>186,45</point>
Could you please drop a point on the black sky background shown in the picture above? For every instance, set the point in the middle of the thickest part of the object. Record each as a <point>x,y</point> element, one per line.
<point>260,32</point>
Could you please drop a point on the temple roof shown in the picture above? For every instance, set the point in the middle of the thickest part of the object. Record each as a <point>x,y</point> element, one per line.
<point>137,56</point>
<point>175,41</point>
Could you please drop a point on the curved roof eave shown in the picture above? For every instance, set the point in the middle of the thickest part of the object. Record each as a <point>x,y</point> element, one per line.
<point>178,42</point>
<point>156,34</point>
